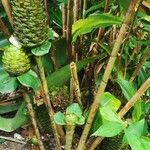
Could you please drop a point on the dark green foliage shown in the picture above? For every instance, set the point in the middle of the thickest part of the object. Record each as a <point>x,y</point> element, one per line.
<point>43,118</point>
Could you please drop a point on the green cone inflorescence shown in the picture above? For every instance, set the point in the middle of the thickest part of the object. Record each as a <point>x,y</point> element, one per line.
<point>15,60</point>
<point>30,27</point>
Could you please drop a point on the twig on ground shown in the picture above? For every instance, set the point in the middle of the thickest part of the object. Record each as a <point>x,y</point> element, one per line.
<point>12,140</point>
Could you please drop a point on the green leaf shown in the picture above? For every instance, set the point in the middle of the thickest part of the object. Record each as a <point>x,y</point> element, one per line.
<point>7,84</point>
<point>11,124</point>
<point>59,118</point>
<point>74,109</point>
<point>133,141</point>
<point>109,129</point>
<point>63,1</point>
<point>147,42</point>
<point>81,120</point>
<point>138,129</point>
<point>145,17</point>
<point>127,88</point>
<point>50,35</point>
<point>42,49</point>
<point>123,6</point>
<point>61,76</point>
<point>9,108</point>
<point>145,143</point>
<point>109,100</point>
<point>110,115</point>
<point>106,100</point>
<point>3,43</point>
<point>83,26</point>
<point>95,7</point>
<point>137,112</point>
<point>30,79</point>
<point>97,122</point>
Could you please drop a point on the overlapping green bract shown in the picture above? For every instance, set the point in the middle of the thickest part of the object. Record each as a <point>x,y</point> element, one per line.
<point>15,61</point>
<point>30,25</point>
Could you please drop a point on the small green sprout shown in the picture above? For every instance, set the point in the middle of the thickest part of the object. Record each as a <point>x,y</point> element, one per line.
<point>71,118</point>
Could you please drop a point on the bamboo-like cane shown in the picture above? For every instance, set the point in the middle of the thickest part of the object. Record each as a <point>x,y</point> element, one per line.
<point>33,119</point>
<point>47,102</point>
<point>75,82</point>
<point>4,29</point>
<point>140,64</point>
<point>69,29</point>
<point>64,19</point>
<point>84,7</point>
<point>69,136</point>
<point>123,30</point>
<point>101,30</point>
<point>76,10</point>
<point>8,11</point>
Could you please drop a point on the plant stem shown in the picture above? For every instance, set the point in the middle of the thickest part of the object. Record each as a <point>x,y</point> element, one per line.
<point>75,82</point>
<point>123,30</point>
<point>46,5</point>
<point>33,119</point>
<point>140,64</point>
<point>4,29</point>
<point>47,102</point>
<point>96,142</point>
<point>64,19</point>
<point>69,136</point>
<point>76,10</point>
<point>84,7</point>
<point>69,30</point>
<point>8,10</point>
<point>101,30</point>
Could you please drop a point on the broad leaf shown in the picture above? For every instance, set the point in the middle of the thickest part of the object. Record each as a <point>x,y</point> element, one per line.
<point>95,7</point>
<point>109,129</point>
<point>138,129</point>
<point>137,111</point>
<point>83,26</point>
<point>127,88</point>
<point>123,6</point>
<point>106,100</point>
<point>74,109</point>
<point>60,77</point>
<point>9,108</point>
<point>42,49</point>
<point>110,100</point>
<point>81,121</point>
<point>59,118</point>
<point>109,115</point>
<point>142,143</point>
<point>145,143</point>
<point>30,79</point>
<point>7,84</point>
<point>11,124</point>
<point>133,141</point>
